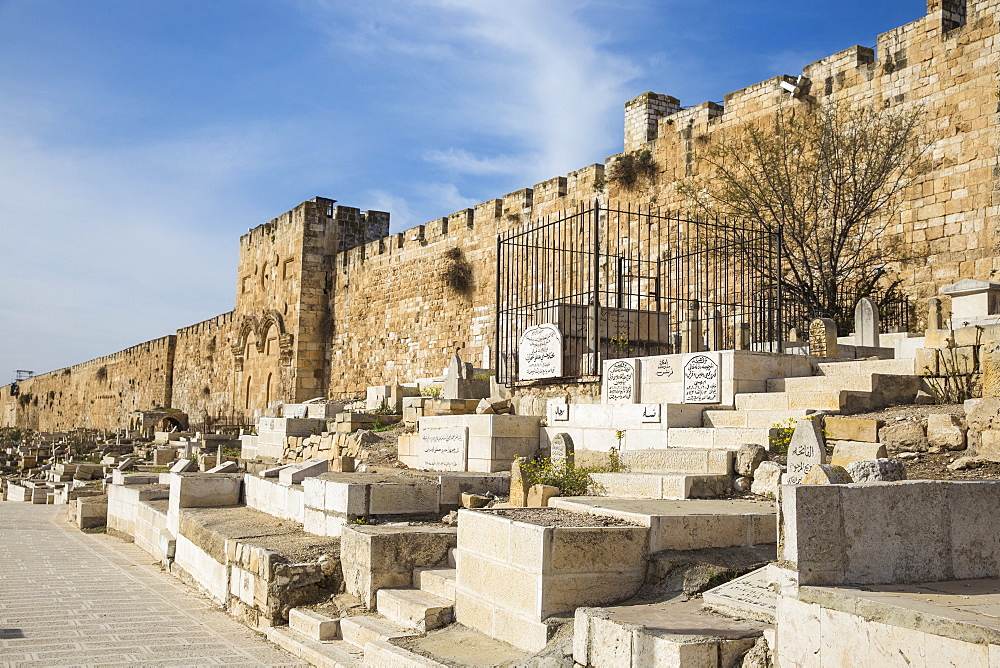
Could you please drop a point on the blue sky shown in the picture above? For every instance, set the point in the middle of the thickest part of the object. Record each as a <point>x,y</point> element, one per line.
<point>139,139</point>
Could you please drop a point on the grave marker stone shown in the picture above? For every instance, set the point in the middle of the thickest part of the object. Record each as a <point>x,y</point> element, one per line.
<point>741,335</point>
<point>823,337</point>
<point>444,448</point>
<point>691,340</point>
<point>991,371</point>
<point>703,378</point>
<point>715,337</point>
<point>750,596</point>
<point>562,449</point>
<point>935,317</point>
<point>866,325</point>
<point>540,353</point>
<point>518,494</point>
<point>793,336</point>
<point>620,382</point>
<point>806,449</point>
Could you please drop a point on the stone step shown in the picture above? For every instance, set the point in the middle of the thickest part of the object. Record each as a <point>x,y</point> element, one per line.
<point>437,581</point>
<point>384,654</point>
<point>831,400</point>
<point>902,366</point>
<point>329,654</point>
<point>859,382</point>
<point>721,438</point>
<point>313,625</point>
<point>362,630</point>
<point>752,418</point>
<point>749,596</point>
<point>660,485</point>
<point>414,608</point>
<point>690,461</point>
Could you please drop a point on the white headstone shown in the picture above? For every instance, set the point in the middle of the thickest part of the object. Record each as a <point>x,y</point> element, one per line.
<point>866,325</point>
<point>444,448</point>
<point>806,449</point>
<point>540,353</point>
<point>703,378</point>
<point>620,381</point>
<point>562,449</point>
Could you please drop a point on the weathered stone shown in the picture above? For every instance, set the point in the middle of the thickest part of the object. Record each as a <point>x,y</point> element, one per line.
<point>866,324</point>
<point>990,365</point>
<point>935,319</point>
<point>823,337</point>
<point>539,495</point>
<point>963,463</point>
<point>474,500</point>
<point>904,436</point>
<point>945,432</point>
<point>484,408</point>
<point>851,429</point>
<point>827,474</point>
<point>767,479</point>
<point>877,470</point>
<point>518,494</point>
<point>924,398</point>
<point>845,452</point>
<point>562,449</point>
<point>749,457</point>
<point>183,466</point>
<point>989,445</point>
<point>806,449</point>
<point>742,484</point>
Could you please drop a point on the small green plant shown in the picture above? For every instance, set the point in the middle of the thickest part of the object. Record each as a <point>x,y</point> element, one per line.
<point>571,480</point>
<point>614,460</point>
<point>362,521</point>
<point>620,435</point>
<point>631,168</point>
<point>781,436</point>
<point>432,391</point>
<point>385,409</point>
<point>457,273</point>
<point>621,344</point>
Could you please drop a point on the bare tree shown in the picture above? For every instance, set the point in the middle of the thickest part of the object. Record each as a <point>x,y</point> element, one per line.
<point>830,182</point>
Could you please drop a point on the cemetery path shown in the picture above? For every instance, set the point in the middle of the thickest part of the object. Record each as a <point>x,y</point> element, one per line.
<point>70,598</point>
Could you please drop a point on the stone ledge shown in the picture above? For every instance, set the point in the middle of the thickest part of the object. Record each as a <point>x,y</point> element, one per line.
<point>937,608</point>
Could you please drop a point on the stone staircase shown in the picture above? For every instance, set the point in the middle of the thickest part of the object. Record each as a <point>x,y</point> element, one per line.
<point>697,462</point>
<point>366,640</point>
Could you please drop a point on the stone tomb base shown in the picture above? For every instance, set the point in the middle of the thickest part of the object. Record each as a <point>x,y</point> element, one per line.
<point>478,443</point>
<point>515,574</point>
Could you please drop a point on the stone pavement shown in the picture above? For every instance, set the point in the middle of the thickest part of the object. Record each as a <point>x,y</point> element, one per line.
<point>69,598</point>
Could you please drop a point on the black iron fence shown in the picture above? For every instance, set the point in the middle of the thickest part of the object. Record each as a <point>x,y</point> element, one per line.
<point>634,282</point>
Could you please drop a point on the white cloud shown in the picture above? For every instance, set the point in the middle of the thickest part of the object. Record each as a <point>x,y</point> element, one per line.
<point>464,162</point>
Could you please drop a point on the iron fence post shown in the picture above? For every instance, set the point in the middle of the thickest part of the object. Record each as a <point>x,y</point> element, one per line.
<point>596,287</point>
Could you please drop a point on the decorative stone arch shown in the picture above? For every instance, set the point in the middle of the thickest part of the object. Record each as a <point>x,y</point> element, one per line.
<point>274,317</point>
<point>249,325</point>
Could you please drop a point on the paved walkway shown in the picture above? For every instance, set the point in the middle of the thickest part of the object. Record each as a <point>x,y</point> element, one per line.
<point>70,598</point>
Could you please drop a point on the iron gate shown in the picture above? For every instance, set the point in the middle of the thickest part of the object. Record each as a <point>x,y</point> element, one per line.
<point>622,282</point>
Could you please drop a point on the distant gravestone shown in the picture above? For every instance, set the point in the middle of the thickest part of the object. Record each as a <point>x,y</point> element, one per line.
<point>620,382</point>
<point>702,378</point>
<point>741,335</point>
<point>444,448</point>
<point>823,337</point>
<point>935,318</point>
<point>540,353</point>
<point>518,494</point>
<point>691,341</point>
<point>562,449</point>
<point>866,324</point>
<point>793,336</point>
<point>806,449</point>
<point>715,333</point>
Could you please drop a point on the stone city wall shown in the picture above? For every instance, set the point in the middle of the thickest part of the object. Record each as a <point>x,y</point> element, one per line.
<point>317,314</point>
<point>98,394</point>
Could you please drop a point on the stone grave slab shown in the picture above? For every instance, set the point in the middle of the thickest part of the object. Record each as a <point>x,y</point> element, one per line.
<point>444,448</point>
<point>703,378</point>
<point>866,324</point>
<point>749,596</point>
<point>562,449</point>
<point>806,449</point>
<point>540,353</point>
<point>621,380</point>
<point>823,338</point>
